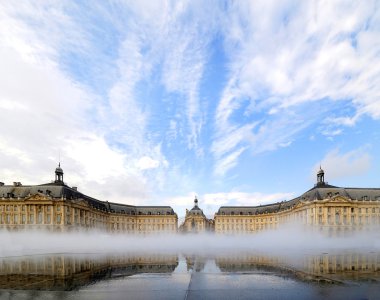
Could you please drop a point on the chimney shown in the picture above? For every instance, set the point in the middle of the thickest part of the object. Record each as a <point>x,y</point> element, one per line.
<point>1,183</point>
<point>17,183</point>
<point>75,188</point>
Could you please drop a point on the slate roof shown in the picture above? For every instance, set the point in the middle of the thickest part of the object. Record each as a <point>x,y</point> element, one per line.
<point>195,211</point>
<point>318,192</point>
<point>57,191</point>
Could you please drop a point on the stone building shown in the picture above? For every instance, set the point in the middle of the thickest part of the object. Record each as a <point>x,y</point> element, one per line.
<point>56,206</point>
<point>196,221</point>
<point>326,207</point>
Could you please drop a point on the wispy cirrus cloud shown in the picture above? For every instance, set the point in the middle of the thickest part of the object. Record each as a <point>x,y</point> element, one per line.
<point>59,114</point>
<point>55,48</point>
<point>169,97</point>
<point>287,55</point>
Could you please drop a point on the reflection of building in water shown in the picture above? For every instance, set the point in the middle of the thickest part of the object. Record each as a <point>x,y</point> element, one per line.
<point>69,272</point>
<point>56,206</point>
<point>246,262</point>
<point>196,221</point>
<point>348,265</point>
<point>334,266</point>
<point>324,206</point>
<point>195,263</point>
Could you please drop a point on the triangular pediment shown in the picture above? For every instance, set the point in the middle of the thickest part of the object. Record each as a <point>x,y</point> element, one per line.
<point>337,199</point>
<point>81,202</point>
<point>299,204</point>
<point>37,197</point>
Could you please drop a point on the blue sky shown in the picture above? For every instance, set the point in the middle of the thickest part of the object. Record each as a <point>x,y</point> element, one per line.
<point>153,102</point>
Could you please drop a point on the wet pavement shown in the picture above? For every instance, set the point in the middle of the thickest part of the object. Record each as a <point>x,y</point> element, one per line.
<point>239,276</point>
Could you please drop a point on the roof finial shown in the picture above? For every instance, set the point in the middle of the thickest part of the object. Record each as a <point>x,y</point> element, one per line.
<point>320,176</point>
<point>195,201</point>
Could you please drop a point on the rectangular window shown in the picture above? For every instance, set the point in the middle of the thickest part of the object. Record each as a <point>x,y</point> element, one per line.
<point>39,217</point>
<point>16,208</point>
<point>48,219</point>
<point>58,219</point>
<point>23,219</point>
<point>31,219</point>
<point>16,219</point>
<point>58,208</point>
<point>8,219</point>
<point>352,220</point>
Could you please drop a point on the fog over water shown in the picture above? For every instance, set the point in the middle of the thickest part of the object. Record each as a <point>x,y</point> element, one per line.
<point>289,240</point>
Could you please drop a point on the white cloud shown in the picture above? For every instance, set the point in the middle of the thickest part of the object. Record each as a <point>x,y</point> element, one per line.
<point>145,163</point>
<point>282,58</point>
<point>186,200</point>
<point>339,165</point>
<point>285,56</point>
<point>244,199</point>
<point>48,113</point>
<point>228,162</point>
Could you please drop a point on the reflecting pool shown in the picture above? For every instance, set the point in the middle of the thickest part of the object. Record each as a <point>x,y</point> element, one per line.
<point>232,275</point>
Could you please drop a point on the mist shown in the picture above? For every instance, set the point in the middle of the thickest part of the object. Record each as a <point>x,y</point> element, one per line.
<point>285,241</point>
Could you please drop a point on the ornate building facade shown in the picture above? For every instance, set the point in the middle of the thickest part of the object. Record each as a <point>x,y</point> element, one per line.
<point>196,221</point>
<point>325,207</point>
<point>56,206</point>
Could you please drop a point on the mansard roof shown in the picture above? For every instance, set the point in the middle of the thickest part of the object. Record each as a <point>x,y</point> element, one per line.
<point>58,191</point>
<point>318,192</point>
<point>325,191</point>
